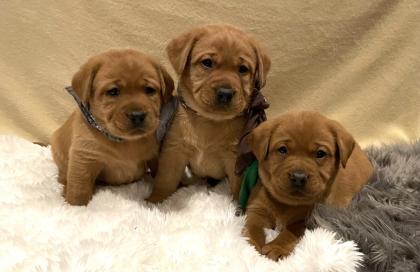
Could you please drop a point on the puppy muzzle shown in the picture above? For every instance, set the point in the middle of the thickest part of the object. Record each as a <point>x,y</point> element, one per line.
<point>137,118</point>
<point>298,179</point>
<point>224,96</point>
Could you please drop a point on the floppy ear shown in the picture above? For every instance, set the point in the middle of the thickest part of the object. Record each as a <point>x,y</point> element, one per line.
<point>259,141</point>
<point>345,142</point>
<point>166,83</point>
<point>179,49</point>
<point>83,80</point>
<point>263,66</point>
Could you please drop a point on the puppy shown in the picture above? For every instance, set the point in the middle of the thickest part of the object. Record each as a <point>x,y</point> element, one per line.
<point>124,91</point>
<point>304,159</point>
<point>219,66</point>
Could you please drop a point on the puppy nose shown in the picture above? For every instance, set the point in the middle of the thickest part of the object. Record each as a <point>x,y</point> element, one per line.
<point>298,178</point>
<point>224,95</point>
<point>137,117</point>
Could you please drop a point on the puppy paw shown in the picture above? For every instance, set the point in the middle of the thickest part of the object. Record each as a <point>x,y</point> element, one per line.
<point>78,200</point>
<point>155,199</point>
<point>275,252</point>
<point>158,195</point>
<point>256,246</point>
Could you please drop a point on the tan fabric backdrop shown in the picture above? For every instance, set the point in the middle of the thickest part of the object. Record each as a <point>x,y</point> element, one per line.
<point>357,61</point>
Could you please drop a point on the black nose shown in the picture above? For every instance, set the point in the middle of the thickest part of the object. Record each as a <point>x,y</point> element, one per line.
<point>298,178</point>
<point>224,95</point>
<point>137,117</point>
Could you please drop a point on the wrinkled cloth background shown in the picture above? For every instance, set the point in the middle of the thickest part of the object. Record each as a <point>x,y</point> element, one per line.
<point>356,61</point>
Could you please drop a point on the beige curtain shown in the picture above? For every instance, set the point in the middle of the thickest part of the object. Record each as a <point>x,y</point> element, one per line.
<point>356,61</point>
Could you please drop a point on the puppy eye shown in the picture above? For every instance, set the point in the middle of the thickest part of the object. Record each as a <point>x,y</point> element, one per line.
<point>207,63</point>
<point>321,154</point>
<point>243,69</point>
<point>149,90</point>
<point>283,149</point>
<point>113,92</point>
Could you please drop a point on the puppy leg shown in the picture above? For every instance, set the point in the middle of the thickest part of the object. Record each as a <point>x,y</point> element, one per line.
<point>61,163</point>
<point>81,178</point>
<point>233,179</point>
<point>235,186</point>
<point>170,172</point>
<point>62,177</point>
<point>256,221</point>
<point>297,228</point>
<point>284,243</point>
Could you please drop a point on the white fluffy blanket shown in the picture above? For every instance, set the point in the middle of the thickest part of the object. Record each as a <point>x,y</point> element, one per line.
<point>194,230</point>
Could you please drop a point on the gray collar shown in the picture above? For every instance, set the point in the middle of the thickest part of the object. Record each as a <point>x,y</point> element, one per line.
<point>89,117</point>
<point>166,115</point>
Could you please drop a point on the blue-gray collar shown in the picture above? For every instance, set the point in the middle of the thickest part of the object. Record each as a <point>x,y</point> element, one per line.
<point>90,118</point>
<point>166,115</point>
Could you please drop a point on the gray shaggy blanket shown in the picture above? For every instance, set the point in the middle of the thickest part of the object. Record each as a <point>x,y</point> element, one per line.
<point>384,218</point>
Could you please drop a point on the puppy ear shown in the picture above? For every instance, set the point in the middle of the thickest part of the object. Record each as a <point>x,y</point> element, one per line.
<point>259,141</point>
<point>345,142</point>
<point>179,49</point>
<point>167,84</point>
<point>83,80</point>
<point>263,66</point>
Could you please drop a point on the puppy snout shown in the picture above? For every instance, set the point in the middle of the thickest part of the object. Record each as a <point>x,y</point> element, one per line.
<point>137,117</point>
<point>224,95</point>
<point>298,179</point>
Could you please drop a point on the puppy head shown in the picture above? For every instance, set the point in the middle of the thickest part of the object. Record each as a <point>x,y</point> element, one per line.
<point>219,66</point>
<point>299,155</point>
<point>124,90</point>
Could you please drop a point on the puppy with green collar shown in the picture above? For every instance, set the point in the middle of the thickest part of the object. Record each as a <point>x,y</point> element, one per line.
<point>304,158</point>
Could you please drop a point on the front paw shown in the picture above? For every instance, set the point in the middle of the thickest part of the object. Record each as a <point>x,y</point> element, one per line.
<point>155,198</point>
<point>275,252</point>
<point>256,245</point>
<point>78,199</point>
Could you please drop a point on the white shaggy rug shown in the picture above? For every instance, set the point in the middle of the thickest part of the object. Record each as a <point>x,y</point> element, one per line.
<point>194,230</point>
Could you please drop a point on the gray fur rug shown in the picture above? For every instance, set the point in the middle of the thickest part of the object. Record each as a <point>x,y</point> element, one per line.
<point>384,218</point>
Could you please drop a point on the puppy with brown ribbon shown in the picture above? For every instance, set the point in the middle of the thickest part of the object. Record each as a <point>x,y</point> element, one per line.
<point>304,159</point>
<point>113,136</point>
<point>221,70</point>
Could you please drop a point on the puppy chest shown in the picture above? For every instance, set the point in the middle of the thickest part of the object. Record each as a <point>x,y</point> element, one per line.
<point>207,163</point>
<point>119,172</point>
<point>211,148</point>
<point>127,163</point>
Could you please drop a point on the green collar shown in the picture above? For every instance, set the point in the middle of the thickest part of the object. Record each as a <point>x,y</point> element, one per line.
<point>249,181</point>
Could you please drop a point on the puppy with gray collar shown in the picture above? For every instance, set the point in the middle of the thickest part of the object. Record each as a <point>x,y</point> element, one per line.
<point>112,137</point>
